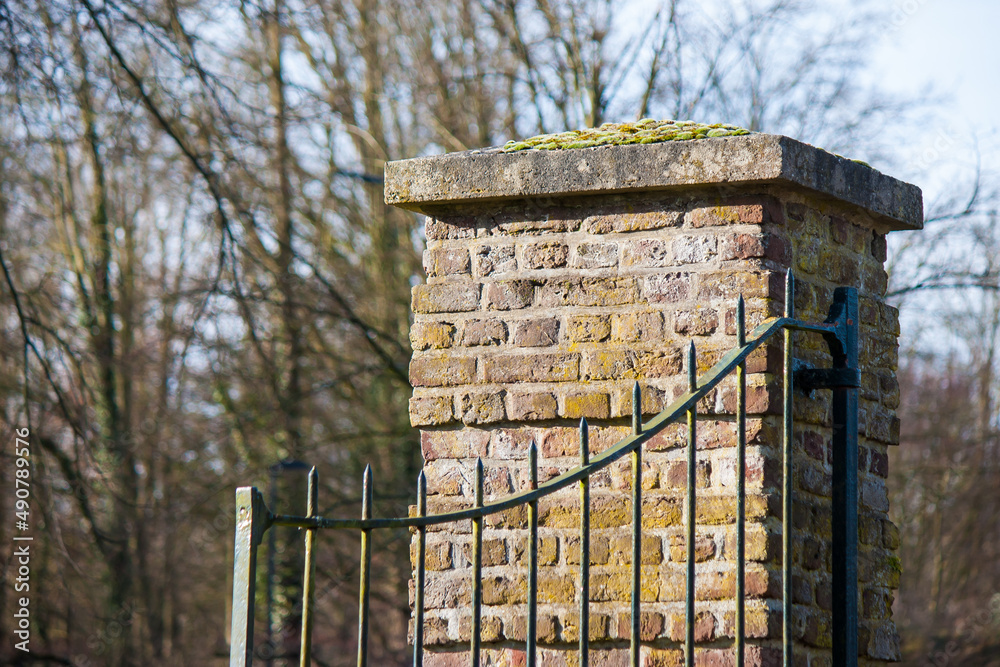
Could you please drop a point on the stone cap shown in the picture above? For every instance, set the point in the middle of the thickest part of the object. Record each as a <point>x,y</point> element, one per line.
<point>424,184</point>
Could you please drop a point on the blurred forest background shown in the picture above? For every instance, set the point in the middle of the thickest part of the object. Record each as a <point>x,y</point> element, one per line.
<point>200,280</point>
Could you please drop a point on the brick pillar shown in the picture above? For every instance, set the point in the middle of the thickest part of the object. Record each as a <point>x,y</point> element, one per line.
<point>555,279</point>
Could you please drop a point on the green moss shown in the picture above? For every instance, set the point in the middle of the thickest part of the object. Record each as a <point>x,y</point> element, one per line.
<point>895,564</point>
<point>645,131</point>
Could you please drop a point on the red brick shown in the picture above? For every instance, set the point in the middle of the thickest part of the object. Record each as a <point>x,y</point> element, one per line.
<point>588,328</point>
<point>630,365</point>
<point>647,253</point>
<point>482,407</point>
<point>694,249</point>
<point>495,259</point>
<point>592,405</point>
<point>531,406</point>
<point>441,371</point>
<point>450,297</point>
<point>666,287</point>
<point>430,410</point>
<point>561,367</point>
<point>588,292</point>
<point>596,255</point>
<point>508,294</point>
<point>549,255</point>
<point>536,333</point>
<point>484,332</point>
<point>446,261</point>
<point>632,222</point>
<point>697,322</point>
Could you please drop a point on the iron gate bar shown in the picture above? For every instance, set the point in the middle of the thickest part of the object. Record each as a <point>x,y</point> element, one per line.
<point>844,314</point>
<point>418,593</point>
<point>532,620</point>
<point>692,424</point>
<point>598,462</point>
<point>636,528</point>
<point>741,492</point>
<point>477,572</point>
<point>584,545</point>
<point>366,566</point>
<point>787,482</point>
<point>840,331</point>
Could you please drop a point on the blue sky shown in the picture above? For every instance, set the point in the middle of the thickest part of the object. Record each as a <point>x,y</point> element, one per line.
<point>953,46</point>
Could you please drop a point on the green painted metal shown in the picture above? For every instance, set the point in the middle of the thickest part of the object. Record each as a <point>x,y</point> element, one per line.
<point>692,439</point>
<point>420,574</point>
<point>366,570</point>
<point>787,485</point>
<point>475,637</point>
<point>531,632</point>
<point>584,547</point>
<point>634,637</point>
<point>253,517</point>
<point>741,486</point>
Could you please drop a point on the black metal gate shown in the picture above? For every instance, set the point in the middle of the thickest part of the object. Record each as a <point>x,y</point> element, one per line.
<point>840,331</point>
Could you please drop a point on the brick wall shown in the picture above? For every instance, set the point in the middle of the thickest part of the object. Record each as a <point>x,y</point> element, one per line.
<point>540,310</point>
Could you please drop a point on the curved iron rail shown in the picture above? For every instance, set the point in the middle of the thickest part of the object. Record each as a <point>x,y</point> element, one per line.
<point>840,333</point>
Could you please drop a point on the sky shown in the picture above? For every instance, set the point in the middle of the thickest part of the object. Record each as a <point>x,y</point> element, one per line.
<point>952,46</point>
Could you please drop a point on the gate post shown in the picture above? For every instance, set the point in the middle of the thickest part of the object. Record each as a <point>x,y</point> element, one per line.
<point>250,525</point>
<point>556,280</point>
<point>845,487</point>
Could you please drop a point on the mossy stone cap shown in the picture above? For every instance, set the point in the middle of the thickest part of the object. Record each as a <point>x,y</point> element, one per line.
<point>648,156</point>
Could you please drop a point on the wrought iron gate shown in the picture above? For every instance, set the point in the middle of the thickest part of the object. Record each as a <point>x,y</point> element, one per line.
<point>840,332</point>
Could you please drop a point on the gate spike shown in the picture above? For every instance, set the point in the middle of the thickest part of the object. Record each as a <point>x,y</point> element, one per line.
<point>692,368</point>
<point>636,409</point>
<point>789,294</point>
<point>741,324</point>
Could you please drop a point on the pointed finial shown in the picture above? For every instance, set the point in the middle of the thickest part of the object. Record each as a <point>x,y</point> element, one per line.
<point>584,442</point>
<point>636,409</point>
<point>479,481</point>
<point>692,368</point>
<point>741,323</point>
<point>421,494</point>
<point>789,294</point>
<point>366,493</point>
<point>533,464</point>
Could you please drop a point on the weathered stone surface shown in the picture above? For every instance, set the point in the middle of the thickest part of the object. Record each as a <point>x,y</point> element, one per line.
<point>446,261</point>
<point>595,255</point>
<point>588,292</point>
<point>531,406</point>
<point>536,333</point>
<point>559,367</point>
<point>588,328</point>
<point>592,405</point>
<point>442,371</point>
<point>492,259</point>
<point>548,255</point>
<point>484,175</point>
<point>482,407</point>
<point>508,294</point>
<point>431,335</point>
<point>457,297</point>
<point>484,332</point>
